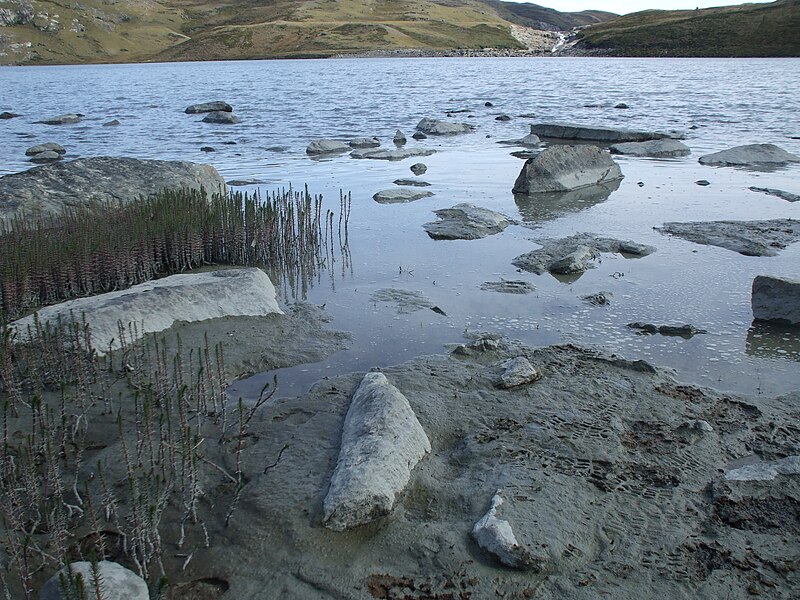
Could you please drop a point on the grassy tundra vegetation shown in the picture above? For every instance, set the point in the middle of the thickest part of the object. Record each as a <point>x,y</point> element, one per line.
<point>104,455</point>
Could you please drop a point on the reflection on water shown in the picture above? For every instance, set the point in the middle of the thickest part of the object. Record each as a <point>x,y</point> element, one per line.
<point>768,340</point>
<point>544,207</point>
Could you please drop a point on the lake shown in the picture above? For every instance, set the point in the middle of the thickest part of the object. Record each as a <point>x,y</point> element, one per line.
<point>284,105</point>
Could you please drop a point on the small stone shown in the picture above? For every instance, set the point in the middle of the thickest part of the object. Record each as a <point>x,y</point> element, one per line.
<point>399,138</point>
<point>488,104</point>
<point>67,119</point>
<point>497,538</point>
<point>418,135</point>
<point>8,115</point>
<point>516,372</point>
<point>696,425</point>
<point>46,157</point>
<point>207,149</point>
<point>621,105</point>
<point>206,107</point>
<point>411,182</point>
<point>364,142</point>
<point>419,168</point>
<point>221,118</point>
<point>502,118</point>
<point>326,147</point>
<point>703,182</point>
<point>399,196</point>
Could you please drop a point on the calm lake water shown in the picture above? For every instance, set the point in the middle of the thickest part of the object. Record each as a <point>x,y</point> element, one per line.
<point>285,104</point>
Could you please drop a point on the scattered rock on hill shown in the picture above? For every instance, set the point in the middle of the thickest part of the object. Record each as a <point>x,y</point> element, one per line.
<point>574,131</point>
<point>750,238</point>
<point>205,107</point>
<point>564,168</point>
<point>466,222</point>
<point>750,155</point>
<point>666,148</point>
<point>436,127</point>
<point>776,299</point>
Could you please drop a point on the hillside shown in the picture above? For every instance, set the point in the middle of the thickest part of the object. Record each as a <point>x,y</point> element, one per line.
<point>748,30</point>
<point>88,31</point>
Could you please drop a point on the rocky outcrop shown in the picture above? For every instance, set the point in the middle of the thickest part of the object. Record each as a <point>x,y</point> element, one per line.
<point>324,146</point>
<point>382,441</point>
<point>66,119</point>
<point>155,305</point>
<point>497,538</point>
<point>88,181</point>
<point>564,168</point>
<point>436,127</point>
<point>365,142</point>
<point>575,131</point>
<point>221,118</point>
<point>575,254</point>
<point>395,154</point>
<point>776,299</point>
<point>466,222</point>
<point>207,107</point>
<point>750,155</point>
<point>116,582</point>
<point>750,238</point>
<point>666,148</point>
<point>783,195</point>
<point>399,196</point>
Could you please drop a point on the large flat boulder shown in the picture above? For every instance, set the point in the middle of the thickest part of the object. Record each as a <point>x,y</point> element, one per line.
<point>750,238</point>
<point>776,299</point>
<point>436,127</point>
<point>395,154</point>
<point>382,441</point>
<point>49,189</point>
<point>466,222</point>
<point>666,148</point>
<point>155,305</point>
<point>750,155</point>
<point>325,146</point>
<point>589,133</point>
<point>399,196</point>
<point>564,168</point>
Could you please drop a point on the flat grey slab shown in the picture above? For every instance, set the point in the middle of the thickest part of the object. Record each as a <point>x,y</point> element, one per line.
<point>750,155</point>
<point>395,154</point>
<point>750,238</point>
<point>666,148</point>
<point>577,131</point>
<point>466,222</point>
<point>399,195</point>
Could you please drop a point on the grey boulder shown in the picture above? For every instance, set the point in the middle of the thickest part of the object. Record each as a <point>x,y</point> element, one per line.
<point>205,107</point>
<point>382,441</point>
<point>156,305</point>
<point>750,155</point>
<point>325,146</point>
<point>564,168</point>
<point>221,118</point>
<point>399,196</point>
<point>776,299</point>
<point>47,156</point>
<point>66,119</point>
<point>574,131</point>
<point>399,138</point>
<point>466,222</point>
<point>48,147</point>
<point>436,127</point>
<point>118,583</point>
<point>515,372</point>
<point>667,148</point>
<point>365,142</point>
<point>50,188</point>
<point>419,168</point>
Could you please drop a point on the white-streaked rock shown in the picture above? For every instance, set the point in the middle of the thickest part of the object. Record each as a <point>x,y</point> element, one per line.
<point>497,538</point>
<point>382,441</point>
<point>116,582</point>
<point>155,305</point>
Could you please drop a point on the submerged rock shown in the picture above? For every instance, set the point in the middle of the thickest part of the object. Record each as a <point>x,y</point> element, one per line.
<point>574,131</point>
<point>667,148</point>
<point>8,115</point>
<point>395,154</point>
<point>466,222</point>
<point>574,254</point>
<point>405,301</point>
<point>87,181</point>
<point>411,182</point>
<point>776,299</point>
<point>598,299</point>
<point>530,140</point>
<point>750,238</point>
<point>750,155</point>
<point>508,287</point>
<point>419,168</point>
<point>564,168</point>
<point>788,196</point>
<point>683,330</point>
<point>497,538</point>
<point>207,107</point>
<point>382,441</point>
<point>111,123</point>
<point>399,196</point>
<point>243,182</point>
<point>326,147</point>
<point>155,305</point>
<point>365,142</point>
<point>66,119</point>
<point>418,135</point>
<point>436,127</point>
<point>116,582</point>
<point>221,118</point>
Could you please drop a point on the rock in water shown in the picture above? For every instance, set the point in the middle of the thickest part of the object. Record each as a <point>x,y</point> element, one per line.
<point>87,181</point>
<point>466,222</point>
<point>419,168</point>
<point>395,154</point>
<point>365,142</point>
<point>67,119</point>
<point>46,157</point>
<point>751,155</point>
<point>382,441</point>
<point>497,538</point>
<point>326,147</point>
<point>399,196</point>
<point>155,305</point>
<point>221,117</point>
<point>205,107</point>
<point>8,115</point>
<point>48,147</point>
<point>399,138</point>
<point>564,168</point>
<point>776,299</point>
<point>652,149</point>
<point>437,127</point>
<point>574,131</point>
<point>783,195</point>
<point>750,238</point>
<point>118,583</point>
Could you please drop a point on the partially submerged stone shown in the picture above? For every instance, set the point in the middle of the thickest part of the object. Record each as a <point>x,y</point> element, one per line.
<point>405,301</point>
<point>325,146</point>
<point>750,238</point>
<point>155,305</point>
<point>598,298</point>
<point>399,138</point>
<point>411,182</point>
<point>564,168</point>
<point>574,131</point>
<point>682,330</point>
<point>466,222</point>
<point>382,441</point>
<point>575,254</point>
<point>515,372</point>
<point>220,117</point>
<point>418,168</point>
<point>776,299</point>
<point>395,154</point>
<point>530,140</point>
<point>47,147</point>
<point>399,196</point>
<point>497,538</point>
<point>46,157</point>
<point>508,287</point>
<point>666,148</point>
<point>750,155</point>
<point>765,471</point>
<point>783,195</point>
<point>365,142</point>
<point>207,107</point>
<point>116,582</point>
<point>67,119</point>
<point>436,127</point>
